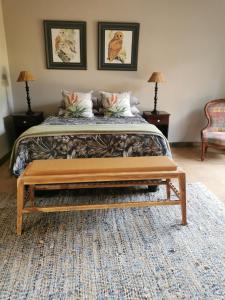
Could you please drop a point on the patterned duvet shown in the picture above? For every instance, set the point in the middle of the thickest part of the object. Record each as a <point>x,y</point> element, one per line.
<point>120,137</point>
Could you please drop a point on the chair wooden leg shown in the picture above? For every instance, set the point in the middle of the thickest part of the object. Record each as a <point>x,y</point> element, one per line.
<point>182,190</point>
<point>20,205</point>
<point>204,148</point>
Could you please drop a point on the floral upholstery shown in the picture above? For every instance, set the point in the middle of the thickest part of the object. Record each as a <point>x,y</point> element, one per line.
<point>216,112</point>
<point>214,133</point>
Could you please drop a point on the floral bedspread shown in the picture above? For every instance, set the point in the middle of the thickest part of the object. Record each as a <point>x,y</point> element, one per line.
<point>86,145</point>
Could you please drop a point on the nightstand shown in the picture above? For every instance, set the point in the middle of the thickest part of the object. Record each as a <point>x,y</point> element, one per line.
<point>160,120</point>
<point>23,121</point>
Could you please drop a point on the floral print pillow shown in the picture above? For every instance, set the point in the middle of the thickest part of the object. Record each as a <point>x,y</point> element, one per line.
<point>77,104</point>
<point>116,104</point>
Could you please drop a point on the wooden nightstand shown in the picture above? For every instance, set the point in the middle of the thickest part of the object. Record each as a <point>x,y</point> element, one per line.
<point>23,121</point>
<point>160,120</point>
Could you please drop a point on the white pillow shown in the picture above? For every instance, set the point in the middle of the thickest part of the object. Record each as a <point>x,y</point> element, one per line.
<point>135,110</point>
<point>78,104</point>
<point>133,99</point>
<point>116,104</point>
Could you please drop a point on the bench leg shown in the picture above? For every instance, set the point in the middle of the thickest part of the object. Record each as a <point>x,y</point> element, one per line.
<point>168,192</point>
<point>182,190</point>
<point>20,204</point>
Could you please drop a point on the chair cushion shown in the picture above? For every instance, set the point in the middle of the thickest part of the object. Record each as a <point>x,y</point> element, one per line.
<point>213,137</point>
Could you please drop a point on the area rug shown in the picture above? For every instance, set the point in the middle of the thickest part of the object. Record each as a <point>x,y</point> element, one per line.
<point>137,253</point>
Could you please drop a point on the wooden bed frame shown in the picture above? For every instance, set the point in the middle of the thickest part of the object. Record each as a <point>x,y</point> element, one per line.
<point>95,173</point>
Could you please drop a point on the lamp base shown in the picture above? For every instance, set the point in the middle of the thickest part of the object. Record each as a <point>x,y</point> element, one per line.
<point>155,112</point>
<point>29,112</point>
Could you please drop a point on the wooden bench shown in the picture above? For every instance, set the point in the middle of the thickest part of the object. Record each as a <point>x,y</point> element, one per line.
<point>99,172</point>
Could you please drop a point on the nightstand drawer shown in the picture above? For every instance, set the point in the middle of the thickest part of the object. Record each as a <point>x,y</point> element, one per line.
<point>24,121</point>
<point>158,119</point>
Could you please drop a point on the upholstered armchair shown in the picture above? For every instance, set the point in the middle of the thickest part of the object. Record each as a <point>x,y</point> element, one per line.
<point>213,134</point>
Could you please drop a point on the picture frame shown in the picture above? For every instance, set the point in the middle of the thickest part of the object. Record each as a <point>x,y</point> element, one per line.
<point>65,44</point>
<point>118,46</point>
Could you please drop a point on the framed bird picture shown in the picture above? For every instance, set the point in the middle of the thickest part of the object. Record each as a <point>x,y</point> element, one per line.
<point>118,46</point>
<point>65,44</point>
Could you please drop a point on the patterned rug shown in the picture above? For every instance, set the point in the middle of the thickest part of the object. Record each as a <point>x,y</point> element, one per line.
<point>114,254</point>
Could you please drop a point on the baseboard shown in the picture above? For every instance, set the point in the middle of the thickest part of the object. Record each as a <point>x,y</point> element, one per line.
<point>5,158</point>
<point>185,144</point>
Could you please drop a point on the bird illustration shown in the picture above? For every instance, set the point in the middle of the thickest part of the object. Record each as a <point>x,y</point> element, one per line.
<point>65,46</point>
<point>115,46</point>
<point>59,40</point>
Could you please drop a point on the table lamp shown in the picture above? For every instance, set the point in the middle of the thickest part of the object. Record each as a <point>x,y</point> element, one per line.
<point>26,76</point>
<point>156,77</point>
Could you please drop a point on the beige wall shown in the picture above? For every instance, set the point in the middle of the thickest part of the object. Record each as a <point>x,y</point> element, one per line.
<point>182,38</point>
<point>5,91</point>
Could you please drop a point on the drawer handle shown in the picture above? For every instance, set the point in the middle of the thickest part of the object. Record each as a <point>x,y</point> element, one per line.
<point>158,120</point>
<point>24,122</point>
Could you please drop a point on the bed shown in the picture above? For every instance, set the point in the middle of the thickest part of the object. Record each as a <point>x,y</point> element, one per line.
<point>60,137</point>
